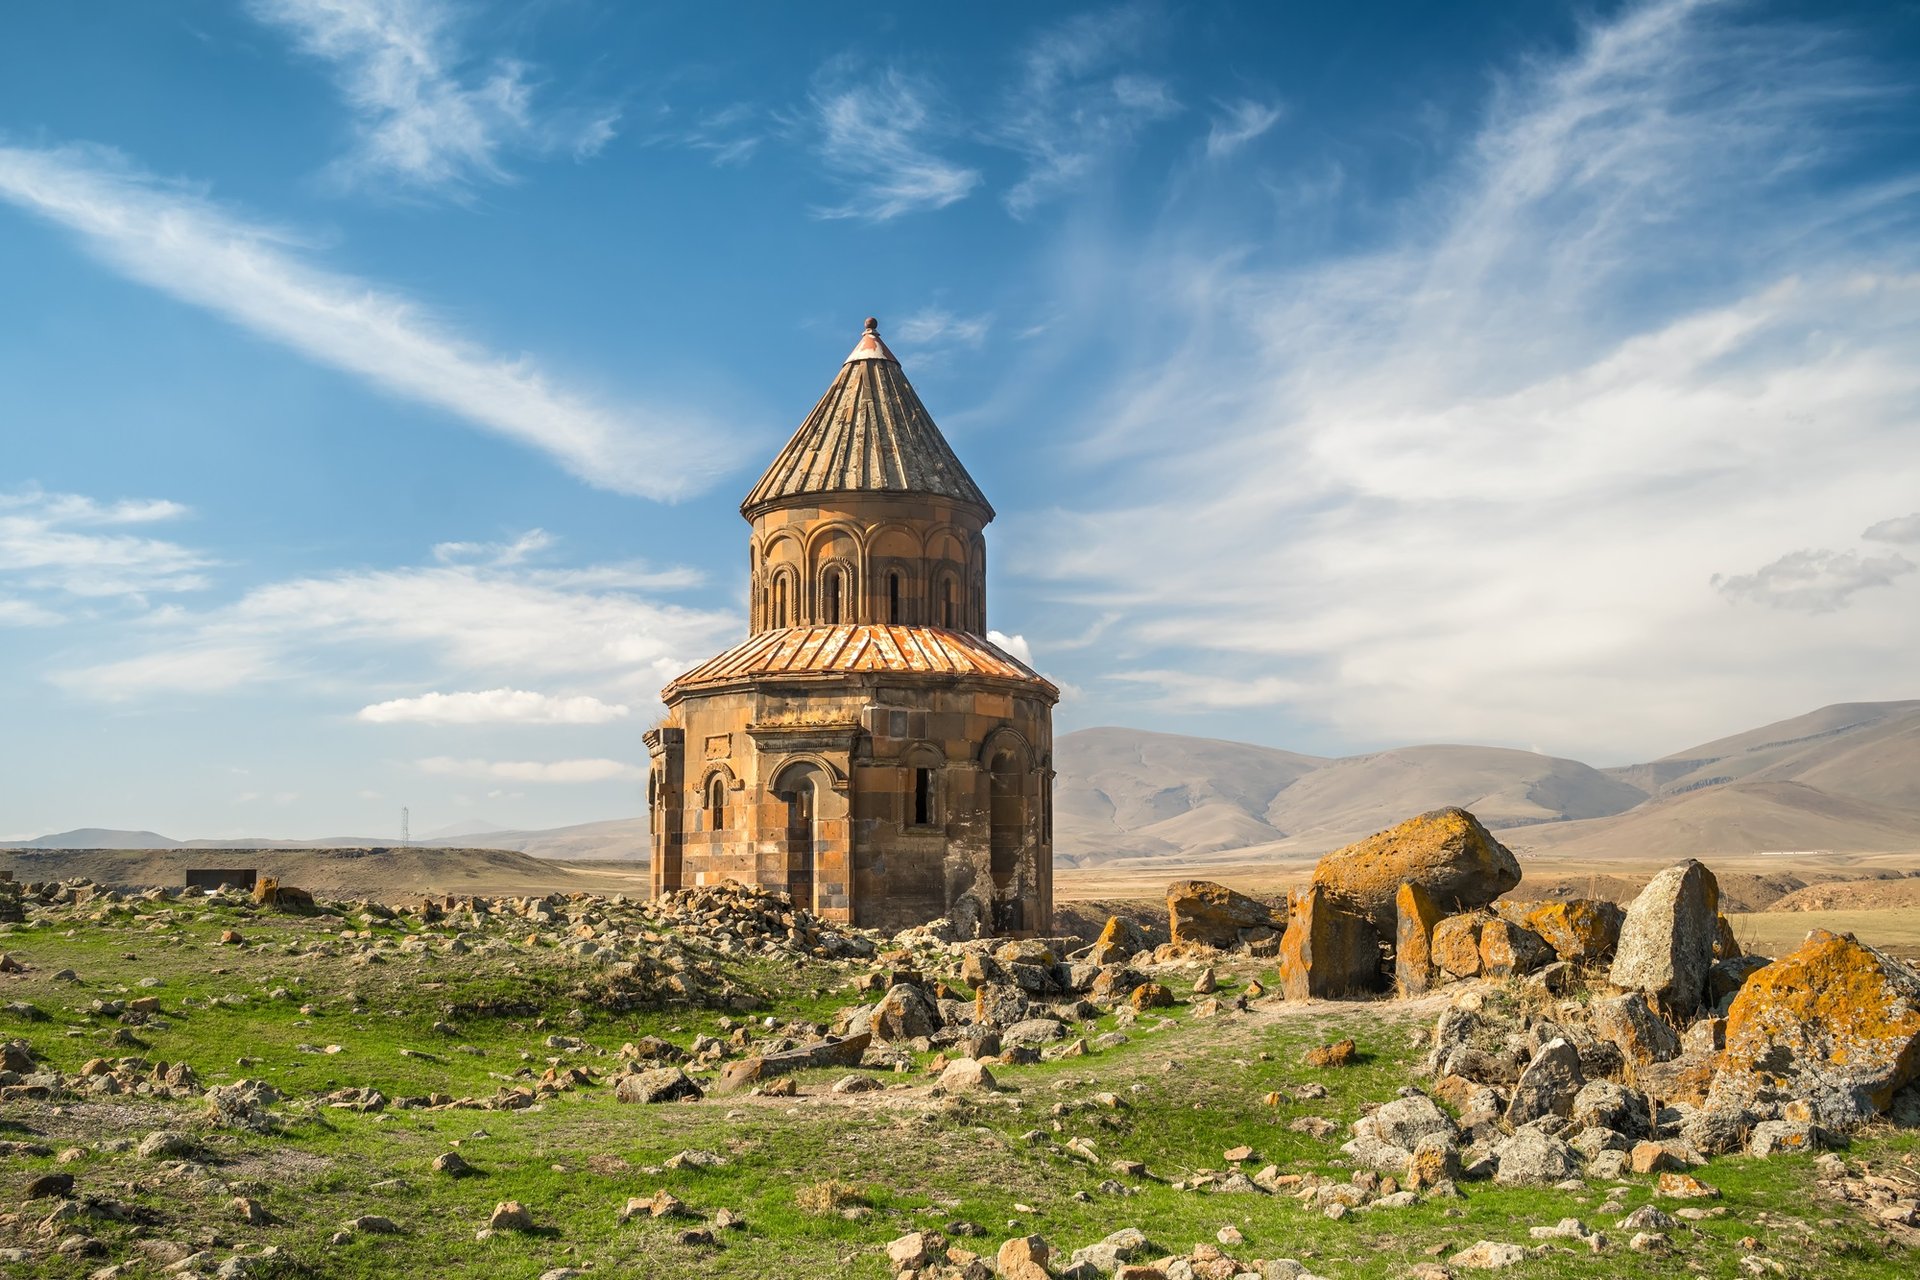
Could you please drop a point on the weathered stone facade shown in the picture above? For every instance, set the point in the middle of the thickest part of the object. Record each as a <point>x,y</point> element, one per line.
<point>867,749</point>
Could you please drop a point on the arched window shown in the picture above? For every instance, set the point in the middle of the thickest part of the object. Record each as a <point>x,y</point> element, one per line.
<point>831,611</point>
<point>780,600</point>
<point>893,598</point>
<point>717,804</point>
<point>949,605</point>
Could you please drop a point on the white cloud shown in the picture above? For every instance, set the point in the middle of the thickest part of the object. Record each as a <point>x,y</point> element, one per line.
<point>493,706</point>
<point>1238,124</point>
<point>1015,645</point>
<point>1903,530</point>
<point>440,623</point>
<point>25,613</point>
<point>1474,482</point>
<point>873,135</point>
<point>174,240</point>
<point>51,542</point>
<point>727,136</point>
<point>1813,581</point>
<point>532,770</point>
<point>423,118</point>
<point>938,327</point>
<point>1072,107</point>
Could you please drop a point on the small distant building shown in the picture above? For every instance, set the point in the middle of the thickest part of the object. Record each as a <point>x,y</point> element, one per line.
<point>867,749</point>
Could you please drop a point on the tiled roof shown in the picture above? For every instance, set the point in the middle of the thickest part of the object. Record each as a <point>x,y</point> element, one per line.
<point>868,434</point>
<point>831,651</point>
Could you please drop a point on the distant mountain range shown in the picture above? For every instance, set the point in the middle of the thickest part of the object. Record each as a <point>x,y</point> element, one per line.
<point>1845,778</point>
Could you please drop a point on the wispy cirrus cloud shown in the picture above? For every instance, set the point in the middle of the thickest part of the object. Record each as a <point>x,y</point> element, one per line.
<point>72,545</point>
<point>939,327</point>
<point>1075,102</point>
<point>876,134</point>
<point>562,771</point>
<point>468,622</point>
<point>493,706</point>
<point>1477,477</point>
<point>426,115</point>
<point>174,239</point>
<point>1239,123</point>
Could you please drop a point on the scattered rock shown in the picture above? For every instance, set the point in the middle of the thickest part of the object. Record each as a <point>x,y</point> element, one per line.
<point>1667,940</point>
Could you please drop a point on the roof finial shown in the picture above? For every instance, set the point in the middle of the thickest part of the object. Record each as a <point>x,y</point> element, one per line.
<point>873,325</point>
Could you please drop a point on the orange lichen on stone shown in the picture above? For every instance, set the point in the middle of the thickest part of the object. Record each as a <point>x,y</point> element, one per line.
<point>1446,852</point>
<point>1834,1015</point>
<point>1416,914</point>
<point>1456,944</point>
<point>1327,952</point>
<point>1584,929</point>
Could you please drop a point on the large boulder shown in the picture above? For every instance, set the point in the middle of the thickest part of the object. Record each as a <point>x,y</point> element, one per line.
<point>1446,852</point>
<point>1509,950</point>
<point>1404,1121</point>
<point>1533,1156</point>
<point>1835,1024</point>
<point>1548,1085</point>
<point>1632,1023</point>
<point>663,1084</point>
<point>1327,952</point>
<point>1582,931</point>
<point>1212,914</point>
<point>904,1013</point>
<point>1415,915</point>
<point>1456,944</point>
<point>1666,941</point>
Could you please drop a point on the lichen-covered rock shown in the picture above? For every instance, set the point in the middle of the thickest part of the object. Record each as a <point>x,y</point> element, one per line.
<point>1667,940</point>
<point>1726,978</point>
<point>1581,931</point>
<point>1509,950</point>
<point>1456,944</point>
<point>1446,852</point>
<point>1836,1024</point>
<point>1548,1085</point>
<point>1780,1137</point>
<point>1607,1106</point>
<point>1213,915</point>
<point>1636,1027</point>
<point>664,1084</point>
<point>1415,915</point>
<point>1435,1160</point>
<point>1533,1156</point>
<point>1327,952</point>
<point>1121,939</point>
<point>904,1013</point>
<point>1405,1121</point>
<point>997,1004</point>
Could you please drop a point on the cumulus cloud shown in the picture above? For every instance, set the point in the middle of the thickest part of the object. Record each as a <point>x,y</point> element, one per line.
<point>424,117</point>
<point>875,134</point>
<point>1474,479</point>
<point>1813,581</point>
<point>1901,530</point>
<point>177,241</point>
<point>493,706</point>
<point>595,770</point>
<point>1015,645</point>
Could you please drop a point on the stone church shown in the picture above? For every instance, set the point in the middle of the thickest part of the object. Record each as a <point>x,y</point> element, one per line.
<point>867,749</point>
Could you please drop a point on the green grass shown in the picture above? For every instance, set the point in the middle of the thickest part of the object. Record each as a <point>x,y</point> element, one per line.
<point>918,1162</point>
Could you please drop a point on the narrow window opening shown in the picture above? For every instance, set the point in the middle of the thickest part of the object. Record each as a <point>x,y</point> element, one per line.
<point>923,797</point>
<point>780,601</point>
<point>948,609</point>
<point>833,599</point>
<point>893,598</point>
<point>717,805</point>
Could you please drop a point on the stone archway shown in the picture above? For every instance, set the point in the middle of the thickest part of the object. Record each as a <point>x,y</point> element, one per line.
<point>798,788</point>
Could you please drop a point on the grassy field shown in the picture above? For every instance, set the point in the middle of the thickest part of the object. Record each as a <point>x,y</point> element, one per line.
<point>1774,933</point>
<point>298,1006</point>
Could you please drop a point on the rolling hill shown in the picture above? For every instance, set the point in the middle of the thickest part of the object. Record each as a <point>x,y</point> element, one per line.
<point>1845,778</point>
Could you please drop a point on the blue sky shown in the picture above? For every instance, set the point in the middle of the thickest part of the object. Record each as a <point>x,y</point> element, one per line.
<point>381,376</point>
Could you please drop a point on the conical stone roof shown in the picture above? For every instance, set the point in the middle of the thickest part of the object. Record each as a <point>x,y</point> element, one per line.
<point>868,434</point>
